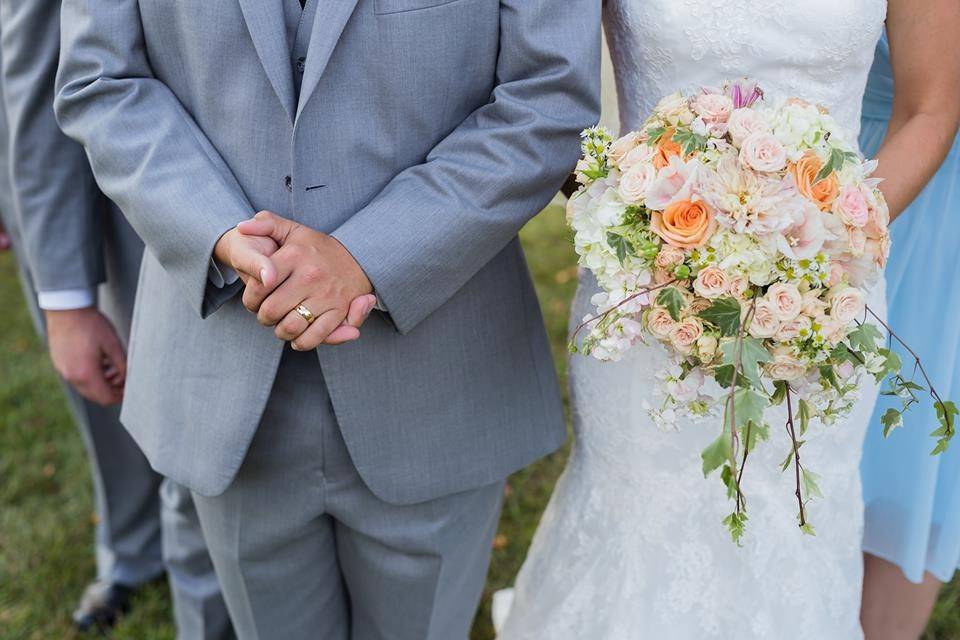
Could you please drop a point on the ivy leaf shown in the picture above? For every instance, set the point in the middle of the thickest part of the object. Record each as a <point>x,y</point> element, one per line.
<point>807,528</point>
<point>865,338</point>
<point>748,406</point>
<point>834,162</point>
<point>810,486</point>
<point>724,376</point>
<point>828,374</point>
<point>717,454</point>
<point>654,134</point>
<point>752,355</point>
<point>890,421</point>
<point>726,475</point>
<point>621,245</point>
<point>804,410</point>
<point>779,392</point>
<point>689,141</point>
<point>672,300</point>
<point>946,414</point>
<point>789,459</point>
<point>724,314</point>
<point>753,434</point>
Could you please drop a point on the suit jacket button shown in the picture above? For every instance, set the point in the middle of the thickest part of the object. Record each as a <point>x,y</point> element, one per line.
<point>301,64</point>
<point>288,183</point>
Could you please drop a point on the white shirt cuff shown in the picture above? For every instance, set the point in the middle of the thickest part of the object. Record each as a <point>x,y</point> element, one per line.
<point>67,299</point>
<point>221,276</point>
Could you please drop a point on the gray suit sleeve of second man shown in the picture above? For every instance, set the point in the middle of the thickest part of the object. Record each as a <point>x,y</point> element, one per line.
<point>148,154</point>
<point>437,224</point>
<point>53,188</point>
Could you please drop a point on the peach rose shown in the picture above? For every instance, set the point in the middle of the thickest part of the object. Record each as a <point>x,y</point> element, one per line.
<point>684,224</point>
<point>852,207</point>
<point>697,305</point>
<point>785,365</point>
<point>711,282</point>
<point>763,152</point>
<point>668,257</point>
<point>635,182</point>
<point>667,148</point>
<point>822,192</point>
<point>786,300</point>
<point>685,334</point>
<point>659,322</point>
<point>619,149</point>
<point>847,304</point>
<point>765,323</point>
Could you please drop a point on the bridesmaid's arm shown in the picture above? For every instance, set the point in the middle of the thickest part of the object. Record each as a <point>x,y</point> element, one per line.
<point>925,54</point>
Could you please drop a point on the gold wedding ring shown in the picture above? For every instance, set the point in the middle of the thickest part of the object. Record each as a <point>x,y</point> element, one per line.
<point>305,313</point>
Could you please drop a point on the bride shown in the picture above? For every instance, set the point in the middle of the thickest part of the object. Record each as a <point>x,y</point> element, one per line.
<point>631,545</point>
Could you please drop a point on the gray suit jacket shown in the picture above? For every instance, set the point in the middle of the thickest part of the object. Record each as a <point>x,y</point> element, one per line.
<point>427,132</point>
<point>69,234</point>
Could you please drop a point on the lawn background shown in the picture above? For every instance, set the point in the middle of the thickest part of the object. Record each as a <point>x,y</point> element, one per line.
<point>46,513</point>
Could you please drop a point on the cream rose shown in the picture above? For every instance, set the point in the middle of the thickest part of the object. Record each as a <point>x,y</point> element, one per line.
<point>642,154</point>
<point>763,152</point>
<point>685,334</point>
<point>711,282</point>
<point>668,257</point>
<point>635,182</point>
<point>619,149</point>
<point>786,300</point>
<point>737,286</point>
<point>765,323</point>
<point>791,329</point>
<point>659,322</point>
<point>813,306</point>
<point>785,365</point>
<point>745,122</point>
<point>847,304</point>
<point>707,348</point>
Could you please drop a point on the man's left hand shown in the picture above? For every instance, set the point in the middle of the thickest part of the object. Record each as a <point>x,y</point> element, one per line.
<point>313,270</point>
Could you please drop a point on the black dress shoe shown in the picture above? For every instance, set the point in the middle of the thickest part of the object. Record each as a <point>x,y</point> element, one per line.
<point>102,604</point>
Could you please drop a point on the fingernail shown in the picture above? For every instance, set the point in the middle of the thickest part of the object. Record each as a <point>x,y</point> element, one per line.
<point>263,276</point>
<point>294,347</point>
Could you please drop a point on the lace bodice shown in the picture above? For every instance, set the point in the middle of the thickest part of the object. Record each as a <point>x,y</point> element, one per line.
<point>631,545</point>
<point>819,50</point>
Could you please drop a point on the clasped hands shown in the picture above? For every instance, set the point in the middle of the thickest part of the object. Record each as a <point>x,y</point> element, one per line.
<point>285,266</point>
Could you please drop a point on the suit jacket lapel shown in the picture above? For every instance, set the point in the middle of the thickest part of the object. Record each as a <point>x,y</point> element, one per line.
<point>265,22</point>
<point>328,25</point>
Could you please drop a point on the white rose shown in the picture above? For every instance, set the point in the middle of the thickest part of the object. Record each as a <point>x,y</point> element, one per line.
<point>786,300</point>
<point>641,154</point>
<point>745,122</point>
<point>765,323</point>
<point>634,183</point>
<point>763,152</point>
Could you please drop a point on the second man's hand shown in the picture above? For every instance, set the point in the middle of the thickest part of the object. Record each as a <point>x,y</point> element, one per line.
<point>312,270</point>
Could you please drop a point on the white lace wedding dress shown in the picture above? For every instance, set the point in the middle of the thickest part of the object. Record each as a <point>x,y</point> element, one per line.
<point>631,545</point>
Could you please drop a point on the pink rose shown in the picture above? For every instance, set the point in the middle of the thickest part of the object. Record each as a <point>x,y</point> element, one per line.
<point>837,274</point>
<point>711,282</point>
<point>685,334</point>
<point>669,256</point>
<point>857,241</point>
<point>659,322</point>
<point>635,182</point>
<point>713,107</point>
<point>763,152</point>
<point>846,304</point>
<point>641,154</point>
<point>813,306</point>
<point>851,206</point>
<point>786,300</point>
<point>677,181</point>
<point>765,322</point>
<point>785,365</point>
<point>745,122</point>
<point>832,330</point>
<point>791,329</point>
<point>619,149</point>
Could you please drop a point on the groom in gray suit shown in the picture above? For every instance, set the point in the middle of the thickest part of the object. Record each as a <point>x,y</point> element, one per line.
<point>353,490</point>
<point>79,260</point>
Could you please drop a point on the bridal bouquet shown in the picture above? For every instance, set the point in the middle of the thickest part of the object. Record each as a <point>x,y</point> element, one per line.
<point>744,237</point>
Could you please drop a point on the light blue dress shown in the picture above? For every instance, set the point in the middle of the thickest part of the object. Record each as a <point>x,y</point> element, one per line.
<point>912,498</point>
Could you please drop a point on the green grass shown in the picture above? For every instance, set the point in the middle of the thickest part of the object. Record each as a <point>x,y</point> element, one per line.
<point>46,512</point>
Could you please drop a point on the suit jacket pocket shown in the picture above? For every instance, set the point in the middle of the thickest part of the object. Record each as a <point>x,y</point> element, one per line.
<point>402,6</point>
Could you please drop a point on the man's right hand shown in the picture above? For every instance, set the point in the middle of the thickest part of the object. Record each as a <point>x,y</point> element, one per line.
<point>249,256</point>
<point>87,353</point>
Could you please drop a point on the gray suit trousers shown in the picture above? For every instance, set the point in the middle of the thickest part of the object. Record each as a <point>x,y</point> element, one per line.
<point>304,549</point>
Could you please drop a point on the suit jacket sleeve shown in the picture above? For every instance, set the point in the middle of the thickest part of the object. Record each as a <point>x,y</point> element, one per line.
<point>437,224</point>
<point>146,151</point>
<point>55,196</point>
